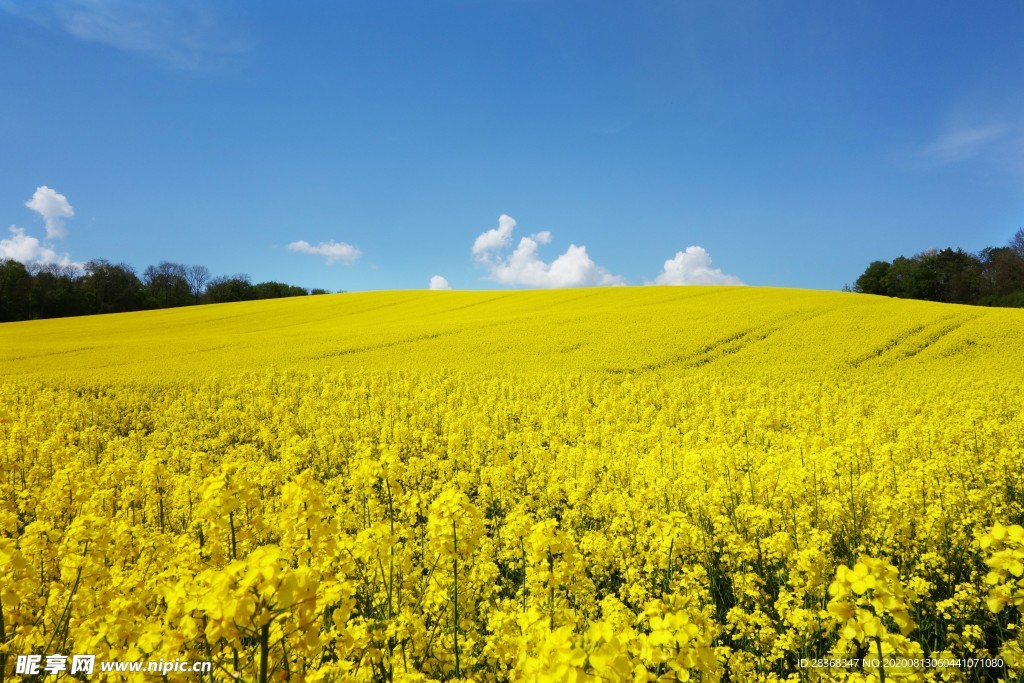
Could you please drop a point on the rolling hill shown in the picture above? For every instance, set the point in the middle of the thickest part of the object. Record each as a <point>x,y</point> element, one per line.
<point>614,330</point>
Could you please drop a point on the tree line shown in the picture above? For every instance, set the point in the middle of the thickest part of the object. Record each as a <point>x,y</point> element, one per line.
<point>34,291</point>
<point>992,277</point>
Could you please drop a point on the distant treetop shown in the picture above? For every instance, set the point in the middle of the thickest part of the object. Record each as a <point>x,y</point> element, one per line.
<point>52,291</point>
<point>992,277</point>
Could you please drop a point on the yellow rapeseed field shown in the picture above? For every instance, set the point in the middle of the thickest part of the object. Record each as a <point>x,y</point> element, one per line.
<point>624,484</point>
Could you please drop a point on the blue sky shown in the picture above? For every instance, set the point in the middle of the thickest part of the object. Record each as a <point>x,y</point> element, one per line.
<point>373,144</point>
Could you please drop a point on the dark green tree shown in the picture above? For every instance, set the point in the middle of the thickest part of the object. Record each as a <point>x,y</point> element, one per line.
<point>873,279</point>
<point>55,290</point>
<point>15,291</point>
<point>900,280</point>
<point>1002,270</point>
<point>276,290</point>
<point>227,289</point>
<point>957,276</point>
<point>993,277</point>
<point>110,288</point>
<point>167,285</point>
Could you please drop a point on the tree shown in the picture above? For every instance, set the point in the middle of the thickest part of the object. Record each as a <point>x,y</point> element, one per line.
<point>166,285</point>
<point>922,279</point>
<point>1002,271</point>
<point>872,281</point>
<point>55,290</point>
<point>197,277</point>
<point>957,276</point>
<point>226,289</point>
<point>900,278</point>
<point>994,276</point>
<point>111,288</point>
<point>276,290</point>
<point>15,291</point>
<point>1017,242</point>
<point>51,290</point>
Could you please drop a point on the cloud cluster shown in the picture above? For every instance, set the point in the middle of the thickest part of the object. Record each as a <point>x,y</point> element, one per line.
<point>54,208</point>
<point>524,266</point>
<point>332,251</point>
<point>28,249</point>
<point>693,267</point>
<point>20,246</point>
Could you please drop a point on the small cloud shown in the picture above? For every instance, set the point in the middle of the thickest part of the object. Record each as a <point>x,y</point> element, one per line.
<point>439,283</point>
<point>53,207</point>
<point>961,144</point>
<point>333,251</point>
<point>28,249</point>
<point>496,238</point>
<point>693,267</point>
<point>185,34</point>
<point>523,266</point>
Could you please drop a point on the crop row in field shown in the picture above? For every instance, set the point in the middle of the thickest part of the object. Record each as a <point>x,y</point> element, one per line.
<point>671,331</point>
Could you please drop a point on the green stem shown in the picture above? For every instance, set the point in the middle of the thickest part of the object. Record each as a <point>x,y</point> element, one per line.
<point>234,547</point>
<point>264,651</point>
<point>3,639</point>
<point>881,660</point>
<point>455,573</point>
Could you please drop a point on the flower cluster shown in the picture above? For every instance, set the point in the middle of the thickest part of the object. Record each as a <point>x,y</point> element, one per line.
<point>642,507</point>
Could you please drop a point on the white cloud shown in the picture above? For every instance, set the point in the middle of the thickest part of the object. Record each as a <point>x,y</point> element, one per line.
<point>333,251</point>
<point>20,246</point>
<point>53,207</point>
<point>693,267</point>
<point>184,33</point>
<point>494,239</point>
<point>523,266</point>
<point>438,283</point>
<point>962,143</point>
<point>28,249</point>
